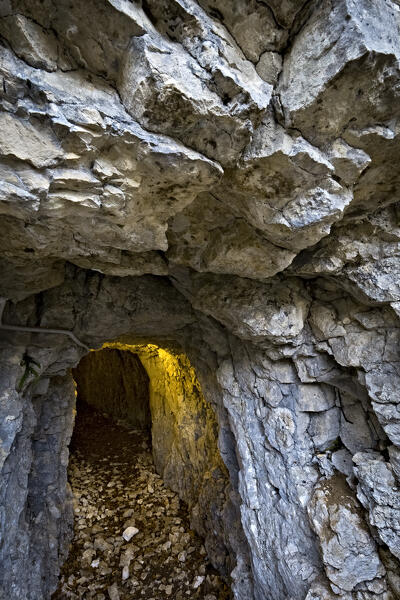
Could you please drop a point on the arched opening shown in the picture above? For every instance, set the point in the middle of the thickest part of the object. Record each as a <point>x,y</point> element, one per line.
<point>115,382</point>
<point>147,480</point>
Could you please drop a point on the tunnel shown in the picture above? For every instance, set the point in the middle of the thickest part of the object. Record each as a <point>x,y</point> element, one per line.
<point>200,237</point>
<point>115,382</point>
<point>143,456</point>
<point>240,431</point>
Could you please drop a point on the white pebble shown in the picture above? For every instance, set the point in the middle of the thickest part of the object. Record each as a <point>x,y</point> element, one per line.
<point>129,533</point>
<point>197,582</point>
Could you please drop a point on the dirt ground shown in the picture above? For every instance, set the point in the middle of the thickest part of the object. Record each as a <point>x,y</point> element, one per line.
<point>115,487</point>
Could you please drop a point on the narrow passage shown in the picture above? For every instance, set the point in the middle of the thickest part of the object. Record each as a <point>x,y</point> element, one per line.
<point>115,489</point>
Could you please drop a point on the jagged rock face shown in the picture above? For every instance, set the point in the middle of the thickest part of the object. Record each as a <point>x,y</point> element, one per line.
<point>219,178</point>
<point>156,132</point>
<point>185,449</point>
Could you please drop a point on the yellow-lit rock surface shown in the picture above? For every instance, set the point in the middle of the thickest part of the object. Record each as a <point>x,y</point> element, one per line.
<point>185,439</point>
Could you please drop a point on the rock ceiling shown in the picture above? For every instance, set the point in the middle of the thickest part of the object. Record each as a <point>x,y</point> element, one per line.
<point>240,138</point>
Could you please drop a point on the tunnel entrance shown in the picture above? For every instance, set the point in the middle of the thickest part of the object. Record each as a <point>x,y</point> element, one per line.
<point>134,477</point>
<point>115,382</point>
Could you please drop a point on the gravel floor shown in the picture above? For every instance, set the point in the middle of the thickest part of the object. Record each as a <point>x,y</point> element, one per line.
<point>132,534</point>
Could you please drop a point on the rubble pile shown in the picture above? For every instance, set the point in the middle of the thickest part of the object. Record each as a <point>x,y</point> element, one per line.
<point>132,535</point>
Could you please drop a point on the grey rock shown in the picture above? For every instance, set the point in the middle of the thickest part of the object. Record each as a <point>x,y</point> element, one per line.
<point>269,66</point>
<point>30,41</point>
<point>170,81</point>
<point>344,539</point>
<point>129,532</point>
<point>315,398</point>
<point>355,433</point>
<point>324,428</point>
<point>276,312</point>
<point>283,188</point>
<point>357,34</point>
<point>258,18</point>
<point>28,141</point>
<point>394,454</point>
<point>378,492</point>
<point>342,460</point>
<point>219,179</point>
<point>113,592</point>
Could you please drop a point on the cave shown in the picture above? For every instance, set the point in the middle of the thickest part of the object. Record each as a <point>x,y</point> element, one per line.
<point>143,430</point>
<point>213,188</point>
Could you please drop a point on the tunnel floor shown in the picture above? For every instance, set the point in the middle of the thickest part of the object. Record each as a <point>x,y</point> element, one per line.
<point>115,486</point>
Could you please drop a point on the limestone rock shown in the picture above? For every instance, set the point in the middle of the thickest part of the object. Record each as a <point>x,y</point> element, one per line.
<point>253,310</point>
<point>283,187</point>
<point>218,179</point>
<point>378,492</point>
<point>315,398</point>
<point>351,255</point>
<point>105,188</point>
<point>341,535</point>
<point>269,67</point>
<point>167,81</point>
<point>113,592</point>
<point>328,51</point>
<point>207,237</point>
<point>129,532</point>
<point>100,50</point>
<point>324,428</point>
<point>28,141</point>
<point>342,460</point>
<point>31,42</point>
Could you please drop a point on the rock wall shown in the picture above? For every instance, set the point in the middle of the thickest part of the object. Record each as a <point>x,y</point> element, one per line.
<point>116,383</point>
<point>185,449</point>
<point>36,502</point>
<point>221,180</point>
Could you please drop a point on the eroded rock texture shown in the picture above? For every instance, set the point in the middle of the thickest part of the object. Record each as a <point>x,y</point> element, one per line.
<point>219,179</point>
<point>115,383</point>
